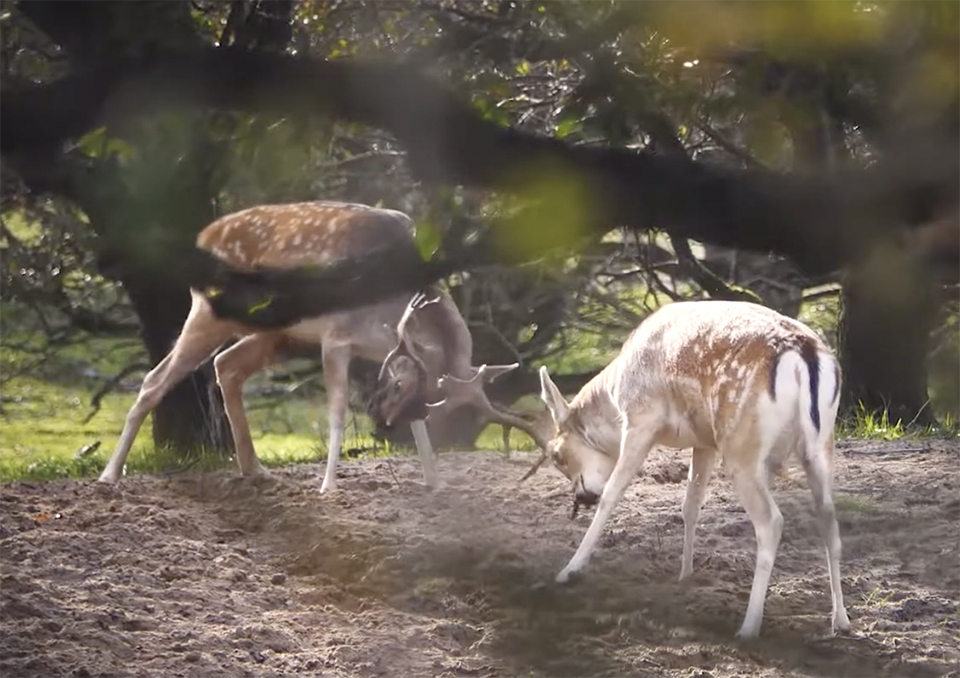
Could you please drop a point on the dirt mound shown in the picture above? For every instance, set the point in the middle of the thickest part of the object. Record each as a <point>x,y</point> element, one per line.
<point>215,575</point>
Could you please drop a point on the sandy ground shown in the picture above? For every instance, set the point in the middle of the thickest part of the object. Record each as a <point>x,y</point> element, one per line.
<point>214,575</point>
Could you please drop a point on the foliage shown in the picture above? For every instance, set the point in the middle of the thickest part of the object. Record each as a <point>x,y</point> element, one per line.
<point>735,84</point>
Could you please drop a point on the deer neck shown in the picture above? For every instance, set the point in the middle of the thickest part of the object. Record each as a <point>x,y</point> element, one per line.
<point>596,416</point>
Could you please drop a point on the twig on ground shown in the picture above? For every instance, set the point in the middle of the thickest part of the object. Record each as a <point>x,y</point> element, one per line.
<point>111,384</point>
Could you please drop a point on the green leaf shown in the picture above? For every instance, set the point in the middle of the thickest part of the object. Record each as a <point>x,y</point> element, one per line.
<point>567,125</point>
<point>91,143</point>
<point>120,148</point>
<point>259,306</point>
<point>427,238</point>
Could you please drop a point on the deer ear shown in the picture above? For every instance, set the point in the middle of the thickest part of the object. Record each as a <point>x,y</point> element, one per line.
<point>491,372</point>
<point>550,394</point>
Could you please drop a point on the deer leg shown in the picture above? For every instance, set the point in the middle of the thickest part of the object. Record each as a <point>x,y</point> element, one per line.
<point>768,525</point>
<point>202,334</point>
<point>701,470</point>
<point>634,447</point>
<point>819,477</point>
<point>336,366</point>
<point>428,460</point>
<point>233,367</point>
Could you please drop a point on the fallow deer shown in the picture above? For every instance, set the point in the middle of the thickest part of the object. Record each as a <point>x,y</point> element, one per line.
<point>732,380</point>
<point>288,236</point>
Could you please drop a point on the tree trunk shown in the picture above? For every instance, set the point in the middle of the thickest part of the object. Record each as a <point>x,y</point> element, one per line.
<point>889,308</point>
<point>888,303</point>
<point>191,416</point>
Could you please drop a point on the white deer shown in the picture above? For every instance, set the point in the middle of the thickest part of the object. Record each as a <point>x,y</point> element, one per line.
<point>301,234</point>
<point>732,380</point>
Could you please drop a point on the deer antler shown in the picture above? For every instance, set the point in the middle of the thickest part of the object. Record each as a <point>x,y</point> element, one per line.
<point>471,391</point>
<point>417,302</point>
<point>536,464</point>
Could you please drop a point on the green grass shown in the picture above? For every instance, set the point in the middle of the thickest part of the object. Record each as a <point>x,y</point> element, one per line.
<point>853,504</point>
<point>42,430</point>
<point>42,415</point>
<point>870,426</point>
<point>876,597</point>
<point>866,425</point>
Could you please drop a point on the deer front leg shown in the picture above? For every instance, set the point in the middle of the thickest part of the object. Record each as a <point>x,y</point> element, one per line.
<point>201,335</point>
<point>701,470</point>
<point>336,365</point>
<point>634,447</point>
<point>428,460</point>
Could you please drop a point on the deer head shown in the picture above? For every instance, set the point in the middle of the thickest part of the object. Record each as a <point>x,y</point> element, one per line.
<point>417,375</point>
<point>403,385</point>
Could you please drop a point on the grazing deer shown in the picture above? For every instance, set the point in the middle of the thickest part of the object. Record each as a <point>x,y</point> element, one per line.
<point>732,380</point>
<point>288,236</point>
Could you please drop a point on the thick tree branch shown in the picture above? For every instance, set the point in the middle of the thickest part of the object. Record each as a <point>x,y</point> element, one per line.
<point>449,142</point>
<point>820,222</point>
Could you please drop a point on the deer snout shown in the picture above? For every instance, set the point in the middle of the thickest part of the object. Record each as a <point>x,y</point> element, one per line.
<point>375,410</point>
<point>582,497</point>
<point>585,497</point>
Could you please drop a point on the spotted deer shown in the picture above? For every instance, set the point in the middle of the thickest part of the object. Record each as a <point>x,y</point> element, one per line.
<point>735,382</point>
<point>301,234</point>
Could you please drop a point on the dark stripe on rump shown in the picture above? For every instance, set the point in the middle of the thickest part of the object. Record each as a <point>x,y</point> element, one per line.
<point>808,351</point>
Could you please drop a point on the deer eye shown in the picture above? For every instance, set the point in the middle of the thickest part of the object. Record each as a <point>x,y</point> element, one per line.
<point>397,385</point>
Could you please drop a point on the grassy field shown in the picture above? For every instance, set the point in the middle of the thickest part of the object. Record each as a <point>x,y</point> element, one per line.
<point>46,427</point>
<point>43,429</point>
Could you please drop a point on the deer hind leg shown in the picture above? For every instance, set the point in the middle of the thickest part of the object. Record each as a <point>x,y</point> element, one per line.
<point>768,526</point>
<point>702,465</point>
<point>634,447</point>
<point>336,366</point>
<point>202,334</point>
<point>233,367</point>
<point>820,478</point>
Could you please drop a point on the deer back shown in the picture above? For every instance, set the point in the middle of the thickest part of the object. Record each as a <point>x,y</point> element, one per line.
<point>306,233</point>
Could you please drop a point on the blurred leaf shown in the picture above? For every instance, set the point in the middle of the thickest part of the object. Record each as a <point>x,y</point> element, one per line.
<point>567,125</point>
<point>428,237</point>
<point>557,214</point>
<point>490,111</point>
<point>92,143</point>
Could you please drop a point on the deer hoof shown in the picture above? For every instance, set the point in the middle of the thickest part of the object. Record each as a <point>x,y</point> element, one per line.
<point>258,472</point>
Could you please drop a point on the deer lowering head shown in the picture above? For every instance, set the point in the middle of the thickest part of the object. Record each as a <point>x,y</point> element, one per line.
<point>430,368</point>
<point>730,380</point>
<point>284,237</point>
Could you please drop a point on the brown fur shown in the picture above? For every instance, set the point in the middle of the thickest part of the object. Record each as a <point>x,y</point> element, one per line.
<point>287,236</point>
